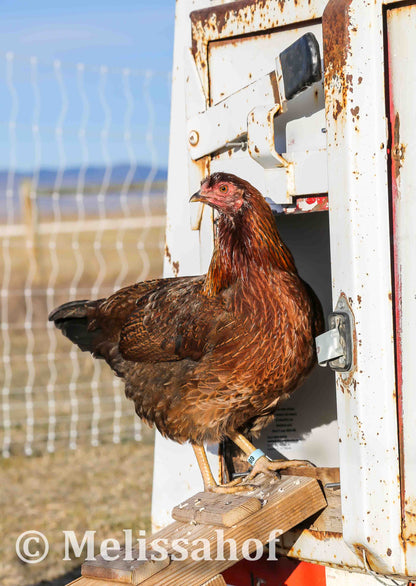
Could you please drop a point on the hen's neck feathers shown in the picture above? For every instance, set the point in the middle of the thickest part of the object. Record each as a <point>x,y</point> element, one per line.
<point>248,245</point>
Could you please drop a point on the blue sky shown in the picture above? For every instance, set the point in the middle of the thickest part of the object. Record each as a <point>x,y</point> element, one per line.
<point>122,33</point>
<point>137,35</point>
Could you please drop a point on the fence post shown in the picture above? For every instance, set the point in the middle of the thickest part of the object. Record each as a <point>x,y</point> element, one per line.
<point>30,220</point>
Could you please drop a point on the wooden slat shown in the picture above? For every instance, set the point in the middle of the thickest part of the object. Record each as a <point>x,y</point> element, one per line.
<point>216,509</point>
<point>324,475</point>
<point>286,503</point>
<point>216,581</point>
<point>124,571</point>
<point>330,520</point>
<point>92,582</point>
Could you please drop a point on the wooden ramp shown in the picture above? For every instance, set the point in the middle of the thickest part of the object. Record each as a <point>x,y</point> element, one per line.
<point>271,509</point>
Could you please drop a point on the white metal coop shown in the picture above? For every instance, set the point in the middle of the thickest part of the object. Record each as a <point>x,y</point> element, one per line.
<point>337,163</point>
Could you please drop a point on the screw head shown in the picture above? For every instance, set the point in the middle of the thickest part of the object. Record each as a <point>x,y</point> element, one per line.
<point>193,138</point>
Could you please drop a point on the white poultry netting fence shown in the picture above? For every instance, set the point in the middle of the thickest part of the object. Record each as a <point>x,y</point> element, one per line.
<point>80,216</point>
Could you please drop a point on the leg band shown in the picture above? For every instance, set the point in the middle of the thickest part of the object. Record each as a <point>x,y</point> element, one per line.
<point>254,456</point>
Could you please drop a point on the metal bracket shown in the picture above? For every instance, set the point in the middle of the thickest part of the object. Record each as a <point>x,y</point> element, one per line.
<point>334,347</point>
<point>260,137</point>
<point>297,67</point>
<point>225,122</point>
<point>328,346</point>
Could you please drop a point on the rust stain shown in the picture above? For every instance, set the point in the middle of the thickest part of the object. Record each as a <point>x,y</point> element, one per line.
<point>175,264</point>
<point>275,88</point>
<point>372,561</point>
<point>355,111</point>
<point>337,44</point>
<point>409,529</point>
<point>325,535</point>
<point>398,150</point>
<point>203,166</point>
<point>338,109</point>
<point>232,19</point>
<point>216,18</point>
<point>348,79</point>
<point>167,253</point>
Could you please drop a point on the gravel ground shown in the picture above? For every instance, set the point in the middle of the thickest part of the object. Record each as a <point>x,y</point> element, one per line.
<point>104,489</point>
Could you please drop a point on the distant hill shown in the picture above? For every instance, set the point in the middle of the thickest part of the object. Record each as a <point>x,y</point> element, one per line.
<point>94,175</point>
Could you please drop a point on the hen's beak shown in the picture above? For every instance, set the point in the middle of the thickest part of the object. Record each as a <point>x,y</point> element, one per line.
<point>197,197</point>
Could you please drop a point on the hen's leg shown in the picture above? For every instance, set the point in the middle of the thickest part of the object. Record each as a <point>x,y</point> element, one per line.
<point>209,481</point>
<point>263,464</point>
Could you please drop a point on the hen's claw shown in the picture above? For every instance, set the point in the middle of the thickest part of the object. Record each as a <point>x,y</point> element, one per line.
<point>270,467</point>
<point>226,489</point>
<point>232,487</point>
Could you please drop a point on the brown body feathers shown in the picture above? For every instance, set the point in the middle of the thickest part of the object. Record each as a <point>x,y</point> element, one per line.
<point>205,356</point>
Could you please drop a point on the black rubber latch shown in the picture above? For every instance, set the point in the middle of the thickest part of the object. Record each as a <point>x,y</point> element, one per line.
<point>301,65</point>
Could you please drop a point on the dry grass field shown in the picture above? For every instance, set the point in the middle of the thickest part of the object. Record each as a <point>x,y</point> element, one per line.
<point>46,373</point>
<point>106,488</point>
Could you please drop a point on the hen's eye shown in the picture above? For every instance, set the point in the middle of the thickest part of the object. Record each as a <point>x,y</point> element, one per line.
<point>224,188</point>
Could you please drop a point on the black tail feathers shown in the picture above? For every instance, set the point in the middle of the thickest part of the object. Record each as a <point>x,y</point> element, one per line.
<point>72,319</point>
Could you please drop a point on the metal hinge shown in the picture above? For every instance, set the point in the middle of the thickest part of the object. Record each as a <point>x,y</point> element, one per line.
<point>334,347</point>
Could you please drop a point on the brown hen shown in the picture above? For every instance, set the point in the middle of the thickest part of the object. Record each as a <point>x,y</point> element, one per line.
<point>210,356</point>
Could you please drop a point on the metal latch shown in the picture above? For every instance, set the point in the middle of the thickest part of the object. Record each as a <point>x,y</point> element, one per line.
<point>298,67</point>
<point>334,347</point>
<point>225,122</point>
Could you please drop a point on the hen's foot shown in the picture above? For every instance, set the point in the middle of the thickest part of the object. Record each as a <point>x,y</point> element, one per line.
<point>209,481</point>
<point>233,487</point>
<point>225,489</point>
<point>270,467</point>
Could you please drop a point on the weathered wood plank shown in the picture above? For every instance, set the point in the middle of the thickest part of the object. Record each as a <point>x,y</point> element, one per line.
<point>92,582</point>
<point>216,581</point>
<point>216,509</point>
<point>324,475</point>
<point>124,571</point>
<point>285,503</point>
<point>330,520</point>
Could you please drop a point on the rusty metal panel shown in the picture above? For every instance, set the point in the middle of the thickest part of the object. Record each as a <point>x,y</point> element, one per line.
<point>296,165</point>
<point>326,548</point>
<point>234,44</point>
<point>237,62</point>
<point>361,268</point>
<point>335,577</point>
<point>401,39</point>
<point>245,17</point>
<point>219,50</point>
